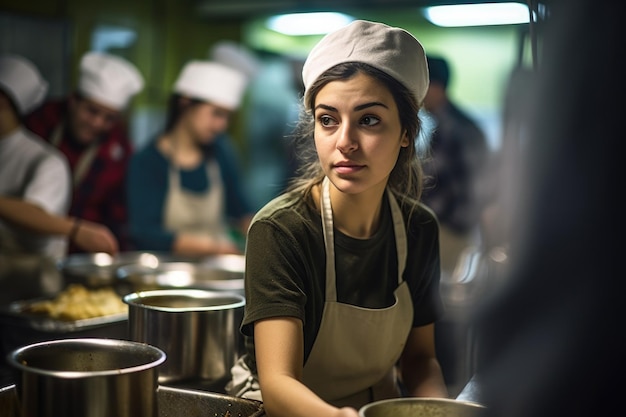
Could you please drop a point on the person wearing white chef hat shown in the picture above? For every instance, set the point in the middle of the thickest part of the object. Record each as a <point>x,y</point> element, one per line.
<point>236,56</point>
<point>35,189</point>
<point>89,127</point>
<point>184,189</point>
<point>342,270</point>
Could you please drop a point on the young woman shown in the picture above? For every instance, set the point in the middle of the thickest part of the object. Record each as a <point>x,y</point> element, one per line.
<point>342,271</point>
<point>184,191</point>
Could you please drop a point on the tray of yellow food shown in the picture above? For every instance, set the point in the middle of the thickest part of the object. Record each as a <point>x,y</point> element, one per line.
<point>75,308</point>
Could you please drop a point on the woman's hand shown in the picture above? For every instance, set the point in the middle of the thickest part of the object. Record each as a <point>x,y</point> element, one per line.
<point>187,244</point>
<point>94,237</point>
<point>347,412</point>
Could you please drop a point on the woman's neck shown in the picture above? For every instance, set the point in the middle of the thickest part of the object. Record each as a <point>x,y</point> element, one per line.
<point>357,215</point>
<point>181,148</point>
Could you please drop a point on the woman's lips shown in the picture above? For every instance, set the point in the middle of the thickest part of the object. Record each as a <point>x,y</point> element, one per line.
<point>347,168</point>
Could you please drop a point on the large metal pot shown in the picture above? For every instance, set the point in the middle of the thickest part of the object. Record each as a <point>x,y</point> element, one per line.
<point>217,273</point>
<point>198,329</point>
<point>87,377</point>
<point>421,407</point>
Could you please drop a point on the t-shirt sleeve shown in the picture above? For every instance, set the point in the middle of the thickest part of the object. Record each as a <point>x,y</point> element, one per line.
<point>423,274</point>
<point>146,189</point>
<point>274,274</point>
<point>50,186</point>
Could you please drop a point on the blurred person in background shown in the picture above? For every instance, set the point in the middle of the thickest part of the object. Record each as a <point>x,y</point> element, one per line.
<point>184,189</point>
<point>30,169</point>
<point>89,128</point>
<point>457,156</point>
<point>35,189</point>
<point>550,337</point>
<point>454,167</point>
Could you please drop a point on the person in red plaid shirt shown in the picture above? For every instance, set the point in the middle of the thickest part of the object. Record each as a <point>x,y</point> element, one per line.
<point>89,128</point>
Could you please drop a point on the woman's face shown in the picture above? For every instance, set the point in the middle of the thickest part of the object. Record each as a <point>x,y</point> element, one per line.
<point>205,121</point>
<point>358,135</point>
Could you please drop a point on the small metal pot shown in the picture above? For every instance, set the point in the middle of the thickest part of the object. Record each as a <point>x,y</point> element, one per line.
<point>198,329</point>
<point>421,407</point>
<point>87,377</point>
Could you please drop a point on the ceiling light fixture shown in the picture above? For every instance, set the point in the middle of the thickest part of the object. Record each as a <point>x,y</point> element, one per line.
<point>478,14</point>
<point>298,24</point>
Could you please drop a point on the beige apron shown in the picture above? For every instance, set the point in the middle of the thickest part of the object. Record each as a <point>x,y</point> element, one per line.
<point>353,357</point>
<point>196,213</point>
<point>349,365</point>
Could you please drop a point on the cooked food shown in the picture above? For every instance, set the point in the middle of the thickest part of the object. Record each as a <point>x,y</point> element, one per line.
<point>77,302</point>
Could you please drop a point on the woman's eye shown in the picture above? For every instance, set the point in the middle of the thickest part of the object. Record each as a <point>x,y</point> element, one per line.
<point>326,120</point>
<point>370,120</point>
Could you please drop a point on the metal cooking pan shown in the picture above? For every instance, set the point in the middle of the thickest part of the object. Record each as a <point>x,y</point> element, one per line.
<point>216,273</point>
<point>421,407</point>
<point>99,269</point>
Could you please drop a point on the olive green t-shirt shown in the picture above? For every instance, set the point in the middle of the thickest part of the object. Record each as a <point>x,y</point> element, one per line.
<point>285,272</point>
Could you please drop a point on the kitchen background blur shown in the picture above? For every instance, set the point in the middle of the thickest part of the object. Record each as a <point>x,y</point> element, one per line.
<point>160,36</point>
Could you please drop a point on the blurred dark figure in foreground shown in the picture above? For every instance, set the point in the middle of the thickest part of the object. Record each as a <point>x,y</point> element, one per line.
<point>550,342</point>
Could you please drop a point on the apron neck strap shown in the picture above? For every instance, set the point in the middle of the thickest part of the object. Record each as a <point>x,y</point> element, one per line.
<point>329,238</point>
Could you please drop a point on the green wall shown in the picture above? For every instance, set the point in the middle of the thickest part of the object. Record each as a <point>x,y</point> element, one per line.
<point>169,33</point>
<point>481,58</point>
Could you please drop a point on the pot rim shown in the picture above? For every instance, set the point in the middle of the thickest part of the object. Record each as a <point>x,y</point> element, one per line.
<point>15,360</point>
<point>368,406</point>
<point>137,298</point>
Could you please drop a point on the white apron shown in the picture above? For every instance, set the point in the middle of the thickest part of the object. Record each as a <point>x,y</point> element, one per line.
<point>196,213</point>
<point>353,358</point>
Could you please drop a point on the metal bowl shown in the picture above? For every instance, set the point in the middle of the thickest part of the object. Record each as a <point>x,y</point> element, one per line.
<point>98,269</point>
<point>198,329</point>
<point>217,273</point>
<point>421,407</point>
<point>87,377</point>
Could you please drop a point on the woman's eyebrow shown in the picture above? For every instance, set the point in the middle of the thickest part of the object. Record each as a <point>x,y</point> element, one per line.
<point>372,104</point>
<point>325,107</point>
<point>357,108</point>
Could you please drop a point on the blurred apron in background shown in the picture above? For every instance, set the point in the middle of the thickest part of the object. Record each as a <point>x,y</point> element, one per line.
<point>200,214</point>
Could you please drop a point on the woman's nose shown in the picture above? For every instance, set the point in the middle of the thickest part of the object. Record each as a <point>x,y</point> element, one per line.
<point>346,141</point>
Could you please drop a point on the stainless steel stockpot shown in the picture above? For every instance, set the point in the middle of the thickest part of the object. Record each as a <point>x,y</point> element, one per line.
<point>87,377</point>
<point>198,329</point>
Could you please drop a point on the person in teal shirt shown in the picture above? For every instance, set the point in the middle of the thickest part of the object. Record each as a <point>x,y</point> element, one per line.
<point>184,190</point>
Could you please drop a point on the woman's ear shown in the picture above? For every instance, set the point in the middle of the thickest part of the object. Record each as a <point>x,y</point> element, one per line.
<point>183,102</point>
<point>404,141</point>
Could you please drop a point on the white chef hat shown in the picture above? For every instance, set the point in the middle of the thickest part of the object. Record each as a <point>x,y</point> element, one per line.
<point>213,82</point>
<point>109,79</point>
<point>236,56</point>
<point>21,80</point>
<point>389,49</point>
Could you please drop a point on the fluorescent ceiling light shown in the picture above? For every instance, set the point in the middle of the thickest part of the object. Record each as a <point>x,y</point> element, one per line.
<point>297,24</point>
<point>480,14</point>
